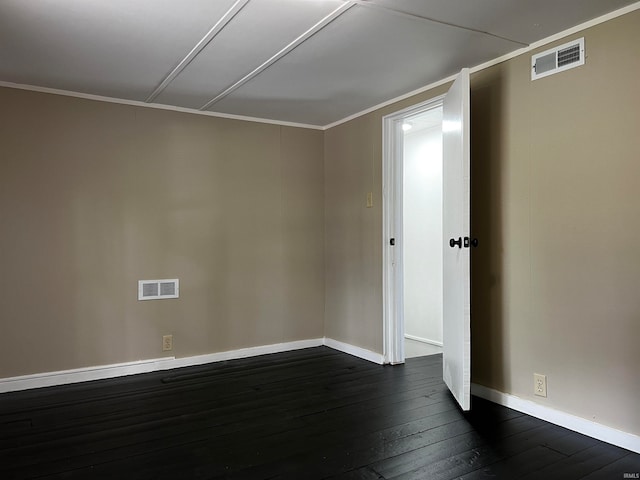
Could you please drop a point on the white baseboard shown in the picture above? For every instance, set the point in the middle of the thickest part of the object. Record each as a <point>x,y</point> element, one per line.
<point>557,417</point>
<point>48,379</point>
<point>423,340</point>
<point>246,352</point>
<point>355,351</point>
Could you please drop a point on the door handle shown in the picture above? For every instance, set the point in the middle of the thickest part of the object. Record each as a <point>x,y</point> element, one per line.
<point>453,243</point>
<point>474,242</point>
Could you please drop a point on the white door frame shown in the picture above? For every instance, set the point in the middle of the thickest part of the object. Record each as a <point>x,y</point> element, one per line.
<point>392,256</point>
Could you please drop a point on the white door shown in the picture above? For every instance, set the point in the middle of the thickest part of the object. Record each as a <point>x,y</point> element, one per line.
<point>456,329</point>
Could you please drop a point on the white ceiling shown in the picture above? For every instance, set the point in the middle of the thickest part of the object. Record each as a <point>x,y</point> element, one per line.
<point>312,62</point>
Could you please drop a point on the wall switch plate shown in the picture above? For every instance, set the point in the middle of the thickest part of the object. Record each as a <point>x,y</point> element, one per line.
<point>167,343</point>
<point>369,199</point>
<point>540,385</point>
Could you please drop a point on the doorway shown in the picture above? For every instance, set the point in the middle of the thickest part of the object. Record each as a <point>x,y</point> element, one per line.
<point>412,191</point>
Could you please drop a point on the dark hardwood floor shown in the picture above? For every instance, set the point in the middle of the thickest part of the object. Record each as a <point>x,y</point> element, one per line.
<point>308,414</point>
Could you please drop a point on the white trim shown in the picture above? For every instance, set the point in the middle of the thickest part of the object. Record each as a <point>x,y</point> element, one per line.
<point>284,51</point>
<point>355,351</point>
<point>26,382</point>
<point>195,51</point>
<point>412,16</point>
<point>392,258</point>
<point>63,377</point>
<point>495,61</point>
<point>157,106</point>
<point>48,379</point>
<point>394,100</point>
<point>246,352</point>
<point>578,28</point>
<point>557,417</point>
<point>423,340</point>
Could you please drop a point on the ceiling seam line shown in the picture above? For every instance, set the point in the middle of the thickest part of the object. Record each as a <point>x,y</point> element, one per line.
<point>195,51</point>
<point>441,22</point>
<point>286,50</point>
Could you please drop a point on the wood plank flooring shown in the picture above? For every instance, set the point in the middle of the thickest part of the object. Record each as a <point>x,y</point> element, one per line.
<point>309,414</point>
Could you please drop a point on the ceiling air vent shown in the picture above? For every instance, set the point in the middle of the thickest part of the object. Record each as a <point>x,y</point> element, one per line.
<point>558,59</point>
<point>158,289</point>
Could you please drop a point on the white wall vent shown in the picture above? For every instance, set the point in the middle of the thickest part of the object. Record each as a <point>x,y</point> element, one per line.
<point>558,59</point>
<point>158,289</point>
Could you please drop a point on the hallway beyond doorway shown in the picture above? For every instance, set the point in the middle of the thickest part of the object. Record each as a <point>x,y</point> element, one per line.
<point>414,348</point>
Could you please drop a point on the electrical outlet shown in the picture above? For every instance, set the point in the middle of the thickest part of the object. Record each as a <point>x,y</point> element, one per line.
<point>167,343</point>
<point>369,199</point>
<point>540,385</point>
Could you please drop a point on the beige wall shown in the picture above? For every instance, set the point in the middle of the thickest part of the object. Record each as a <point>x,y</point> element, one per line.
<point>96,196</point>
<point>352,234</point>
<point>556,164</point>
